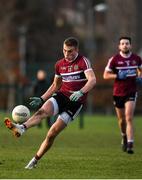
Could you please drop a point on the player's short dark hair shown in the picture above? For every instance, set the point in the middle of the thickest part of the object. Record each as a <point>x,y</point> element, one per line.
<point>72,41</point>
<point>125,37</point>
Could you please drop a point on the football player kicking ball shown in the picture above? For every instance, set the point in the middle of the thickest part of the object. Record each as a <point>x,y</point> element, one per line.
<point>125,68</point>
<point>74,78</point>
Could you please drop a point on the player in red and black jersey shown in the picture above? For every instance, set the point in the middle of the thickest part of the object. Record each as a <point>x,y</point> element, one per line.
<point>125,68</point>
<point>74,78</point>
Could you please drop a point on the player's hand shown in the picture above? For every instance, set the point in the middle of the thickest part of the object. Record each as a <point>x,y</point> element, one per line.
<point>36,102</point>
<point>131,72</point>
<point>139,81</point>
<point>122,75</point>
<point>76,95</point>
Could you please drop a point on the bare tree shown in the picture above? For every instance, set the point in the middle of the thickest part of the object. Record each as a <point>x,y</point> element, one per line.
<point>121,20</point>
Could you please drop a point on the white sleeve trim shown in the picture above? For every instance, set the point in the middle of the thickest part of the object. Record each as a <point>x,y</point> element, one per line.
<point>87,62</point>
<point>90,69</point>
<point>57,75</point>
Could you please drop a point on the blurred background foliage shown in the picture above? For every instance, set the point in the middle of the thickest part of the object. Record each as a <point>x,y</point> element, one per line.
<point>32,33</point>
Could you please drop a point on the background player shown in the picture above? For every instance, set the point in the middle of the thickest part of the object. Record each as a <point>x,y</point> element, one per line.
<point>40,86</point>
<point>124,68</point>
<point>74,78</point>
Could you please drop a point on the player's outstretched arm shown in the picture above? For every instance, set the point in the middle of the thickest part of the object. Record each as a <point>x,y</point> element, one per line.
<point>36,102</point>
<point>53,88</point>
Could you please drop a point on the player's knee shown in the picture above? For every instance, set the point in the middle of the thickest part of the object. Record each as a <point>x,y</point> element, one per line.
<point>129,119</point>
<point>41,112</point>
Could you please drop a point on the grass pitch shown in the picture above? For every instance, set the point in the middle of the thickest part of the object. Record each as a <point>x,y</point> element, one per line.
<point>90,153</point>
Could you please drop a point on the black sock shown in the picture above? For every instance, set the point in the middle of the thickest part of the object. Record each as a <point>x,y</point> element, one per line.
<point>25,126</point>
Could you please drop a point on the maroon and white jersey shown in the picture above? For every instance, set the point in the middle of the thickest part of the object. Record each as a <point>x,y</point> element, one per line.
<point>72,73</point>
<point>129,64</point>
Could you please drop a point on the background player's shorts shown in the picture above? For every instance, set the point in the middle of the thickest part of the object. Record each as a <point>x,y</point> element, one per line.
<point>66,109</point>
<point>119,101</point>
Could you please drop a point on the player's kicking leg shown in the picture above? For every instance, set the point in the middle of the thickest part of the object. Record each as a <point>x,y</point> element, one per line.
<point>17,129</point>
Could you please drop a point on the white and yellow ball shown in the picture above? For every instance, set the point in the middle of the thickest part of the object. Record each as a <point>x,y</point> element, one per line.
<point>20,114</point>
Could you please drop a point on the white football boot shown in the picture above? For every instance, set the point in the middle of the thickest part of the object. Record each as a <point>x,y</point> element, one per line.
<point>17,129</point>
<point>32,164</point>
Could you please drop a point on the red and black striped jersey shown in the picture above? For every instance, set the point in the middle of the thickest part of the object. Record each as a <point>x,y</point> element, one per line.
<point>72,74</point>
<point>129,64</point>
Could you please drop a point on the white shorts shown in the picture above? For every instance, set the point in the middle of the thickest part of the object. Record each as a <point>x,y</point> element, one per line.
<point>66,109</point>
